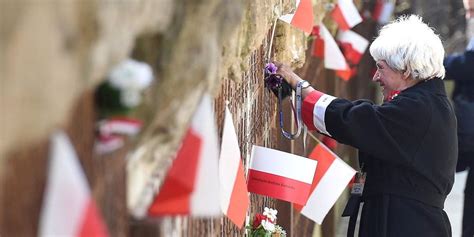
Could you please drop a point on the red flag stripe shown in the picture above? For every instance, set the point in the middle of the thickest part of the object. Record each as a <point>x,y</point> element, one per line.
<point>352,55</point>
<point>279,187</point>
<point>174,196</point>
<point>325,159</point>
<point>377,12</point>
<point>92,224</point>
<point>333,57</point>
<point>346,14</point>
<point>127,120</point>
<point>344,74</point>
<point>318,47</point>
<point>326,193</point>
<point>338,16</point>
<point>233,194</point>
<point>303,17</point>
<point>68,206</point>
<point>239,199</point>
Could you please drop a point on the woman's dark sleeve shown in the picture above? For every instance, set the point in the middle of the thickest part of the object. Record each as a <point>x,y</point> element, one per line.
<point>390,131</point>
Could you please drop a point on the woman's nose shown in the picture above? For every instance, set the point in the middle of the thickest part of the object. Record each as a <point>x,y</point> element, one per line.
<point>376,76</point>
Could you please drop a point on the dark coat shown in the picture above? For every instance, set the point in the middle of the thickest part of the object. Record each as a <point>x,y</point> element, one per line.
<point>460,68</point>
<point>408,147</point>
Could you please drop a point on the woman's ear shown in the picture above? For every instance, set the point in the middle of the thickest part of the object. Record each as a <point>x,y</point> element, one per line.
<point>406,75</point>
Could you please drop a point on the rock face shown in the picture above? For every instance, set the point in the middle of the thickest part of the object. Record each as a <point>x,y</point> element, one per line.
<point>54,52</point>
<point>196,61</point>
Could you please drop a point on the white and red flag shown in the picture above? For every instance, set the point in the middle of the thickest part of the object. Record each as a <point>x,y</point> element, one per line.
<point>346,14</point>
<point>111,131</point>
<point>191,186</point>
<point>383,11</point>
<point>331,178</point>
<point>108,143</point>
<point>280,175</point>
<point>120,125</point>
<point>302,18</point>
<point>353,46</point>
<point>325,47</point>
<point>234,197</point>
<point>68,206</point>
<point>347,74</point>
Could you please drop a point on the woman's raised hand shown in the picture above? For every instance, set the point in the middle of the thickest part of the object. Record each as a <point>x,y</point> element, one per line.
<point>287,73</point>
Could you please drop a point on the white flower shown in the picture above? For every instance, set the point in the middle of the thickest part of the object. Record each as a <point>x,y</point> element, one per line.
<point>267,225</point>
<point>270,213</point>
<point>279,229</point>
<point>131,75</point>
<point>130,98</point>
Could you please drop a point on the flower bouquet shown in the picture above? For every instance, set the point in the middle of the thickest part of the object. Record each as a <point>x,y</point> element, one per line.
<point>275,82</point>
<point>115,99</point>
<point>122,91</point>
<point>264,225</point>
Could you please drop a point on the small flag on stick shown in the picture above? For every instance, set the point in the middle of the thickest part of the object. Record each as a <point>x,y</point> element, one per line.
<point>234,196</point>
<point>191,186</point>
<point>331,178</point>
<point>280,175</point>
<point>303,16</point>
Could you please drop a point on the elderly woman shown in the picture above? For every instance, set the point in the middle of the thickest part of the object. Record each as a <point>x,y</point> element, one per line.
<point>408,145</point>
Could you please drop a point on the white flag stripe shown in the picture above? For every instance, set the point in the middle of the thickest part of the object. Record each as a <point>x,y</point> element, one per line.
<point>104,147</point>
<point>328,190</point>
<point>333,57</point>
<point>228,162</point>
<point>386,13</point>
<point>283,164</point>
<point>350,12</point>
<point>358,42</point>
<point>289,17</point>
<point>205,198</point>
<point>67,191</point>
<point>319,112</point>
<point>121,127</point>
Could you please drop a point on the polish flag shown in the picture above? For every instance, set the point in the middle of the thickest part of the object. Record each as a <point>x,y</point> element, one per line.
<point>120,125</point>
<point>347,74</point>
<point>383,11</point>
<point>108,143</point>
<point>191,186</point>
<point>331,178</point>
<point>68,206</point>
<point>353,46</point>
<point>234,196</point>
<point>280,175</point>
<point>346,14</point>
<point>303,16</point>
<point>324,46</point>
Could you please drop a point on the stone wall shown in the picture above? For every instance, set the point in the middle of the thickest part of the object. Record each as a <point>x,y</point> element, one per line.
<point>54,53</point>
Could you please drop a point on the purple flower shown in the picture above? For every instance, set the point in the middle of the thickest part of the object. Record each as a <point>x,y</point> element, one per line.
<point>270,68</point>
<point>273,81</point>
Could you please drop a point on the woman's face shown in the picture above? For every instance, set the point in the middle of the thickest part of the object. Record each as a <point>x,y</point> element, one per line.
<point>389,79</point>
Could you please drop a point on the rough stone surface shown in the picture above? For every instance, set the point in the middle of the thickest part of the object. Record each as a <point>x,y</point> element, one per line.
<point>206,58</point>
<point>53,50</point>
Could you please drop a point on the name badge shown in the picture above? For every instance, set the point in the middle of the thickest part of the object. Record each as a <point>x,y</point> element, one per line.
<point>358,186</point>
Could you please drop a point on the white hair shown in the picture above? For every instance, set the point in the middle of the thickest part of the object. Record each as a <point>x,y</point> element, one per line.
<point>409,45</point>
